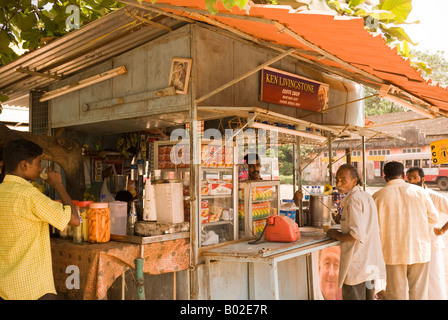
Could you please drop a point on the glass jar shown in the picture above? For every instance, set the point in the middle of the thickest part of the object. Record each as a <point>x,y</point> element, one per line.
<point>82,210</point>
<point>67,232</point>
<point>77,233</point>
<point>99,222</point>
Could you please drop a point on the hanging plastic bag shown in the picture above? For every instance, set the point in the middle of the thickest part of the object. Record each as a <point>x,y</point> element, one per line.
<point>105,193</point>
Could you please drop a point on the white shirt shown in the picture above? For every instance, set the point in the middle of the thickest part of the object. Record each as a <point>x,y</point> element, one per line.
<point>404,214</point>
<point>363,259</point>
<point>441,204</point>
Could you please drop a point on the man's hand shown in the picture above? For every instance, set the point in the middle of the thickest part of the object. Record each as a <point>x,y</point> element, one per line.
<point>54,178</point>
<point>333,234</point>
<point>438,231</point>
<point>298,196</point>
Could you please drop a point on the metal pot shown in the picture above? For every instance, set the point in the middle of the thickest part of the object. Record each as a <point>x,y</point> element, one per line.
<point>320,209</point>
<point>117,183</point>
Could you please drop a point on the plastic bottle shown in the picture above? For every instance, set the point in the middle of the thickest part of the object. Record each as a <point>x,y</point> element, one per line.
<point>306,193</point>
<point>132,217</point>
<point>140,164</point>
<point>149,207</point>
<point>134,169</point>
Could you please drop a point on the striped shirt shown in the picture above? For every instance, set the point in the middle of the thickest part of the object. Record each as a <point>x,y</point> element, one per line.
<point>26,271</point>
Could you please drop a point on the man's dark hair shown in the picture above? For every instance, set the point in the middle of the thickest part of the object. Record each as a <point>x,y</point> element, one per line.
<point>420,171</point>
<point>124,195</point>
<point>19,150</point>
<point>393,169</point>
<point>353,172</point>
<point>251,158</point>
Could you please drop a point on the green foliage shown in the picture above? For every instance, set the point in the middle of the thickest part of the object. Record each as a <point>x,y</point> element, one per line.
<point>385,18</point>
<point>212,5</point>
<point>438,72</point>
<point>286,158</point>
<point>31,26</point>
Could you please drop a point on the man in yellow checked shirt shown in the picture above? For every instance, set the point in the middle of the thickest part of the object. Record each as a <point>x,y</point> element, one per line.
<point>26,271</point>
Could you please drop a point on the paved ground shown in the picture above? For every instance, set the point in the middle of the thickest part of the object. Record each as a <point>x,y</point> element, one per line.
<point>286,192</point>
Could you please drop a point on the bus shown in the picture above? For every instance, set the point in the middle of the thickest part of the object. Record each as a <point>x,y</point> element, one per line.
<point>434,174</point>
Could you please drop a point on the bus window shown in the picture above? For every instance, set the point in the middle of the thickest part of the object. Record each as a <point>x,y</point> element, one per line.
<point>408,163</point>
<point>417,163</point>
<point>426,163</point>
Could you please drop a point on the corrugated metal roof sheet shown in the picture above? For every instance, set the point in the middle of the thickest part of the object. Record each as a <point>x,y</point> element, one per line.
<point>337,44</point>
<point>99,40</point>
<point>350,47</point>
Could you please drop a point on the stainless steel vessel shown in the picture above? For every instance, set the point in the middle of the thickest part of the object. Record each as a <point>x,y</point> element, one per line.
<point>320,206</point>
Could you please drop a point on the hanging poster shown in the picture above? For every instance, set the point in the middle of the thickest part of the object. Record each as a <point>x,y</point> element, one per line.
<point>439,151</point>
<point>291,90</point>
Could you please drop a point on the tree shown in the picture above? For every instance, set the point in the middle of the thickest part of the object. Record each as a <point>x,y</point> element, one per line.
<point>437,72</point>
<point>32,24</point>
<point>286,160</point>
<point>65,152</point>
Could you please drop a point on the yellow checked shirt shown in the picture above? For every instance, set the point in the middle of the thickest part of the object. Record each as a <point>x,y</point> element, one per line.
<point>26,270</point>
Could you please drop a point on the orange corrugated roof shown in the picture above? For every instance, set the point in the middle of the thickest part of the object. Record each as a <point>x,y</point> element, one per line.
<point>343,37</point>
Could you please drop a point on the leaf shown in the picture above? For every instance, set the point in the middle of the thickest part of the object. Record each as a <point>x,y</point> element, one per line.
<point>4,39</point>
<point>355,3</point>
<point>211,6</point>
<point>398,33</point>
<point>382,15</point>
<point>3,98</point>
<point>404,49</point>
<point>401,8</point>
<point>420,65</point>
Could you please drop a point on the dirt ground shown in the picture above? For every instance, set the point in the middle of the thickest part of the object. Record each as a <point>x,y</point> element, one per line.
<point>286,192</point>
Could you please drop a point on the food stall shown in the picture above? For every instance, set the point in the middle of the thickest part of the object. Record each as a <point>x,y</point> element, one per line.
<point>170,122</point>
<point>146,132</point>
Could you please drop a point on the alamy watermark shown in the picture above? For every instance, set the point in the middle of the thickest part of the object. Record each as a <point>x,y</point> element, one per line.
<point>73,20</point>
<point>73,280</point>
<point>228,148</point>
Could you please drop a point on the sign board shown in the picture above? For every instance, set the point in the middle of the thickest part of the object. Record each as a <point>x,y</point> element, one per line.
<point>291,90</point>
<point>439,151</point>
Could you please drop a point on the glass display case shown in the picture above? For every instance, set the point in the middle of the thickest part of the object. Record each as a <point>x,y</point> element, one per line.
<point>217,199</point>
<point>257,200</point>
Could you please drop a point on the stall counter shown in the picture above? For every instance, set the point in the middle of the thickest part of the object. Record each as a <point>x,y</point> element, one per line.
<point>99,265</point>
<point>266,255</point>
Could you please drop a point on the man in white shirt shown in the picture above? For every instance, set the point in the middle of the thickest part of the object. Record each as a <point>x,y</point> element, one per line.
<point>437,284</point>
<point>361,255</point>
<point>404,213</point>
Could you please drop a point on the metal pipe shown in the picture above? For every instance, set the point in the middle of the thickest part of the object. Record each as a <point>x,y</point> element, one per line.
<point>140,281</point>
<point>195,158</point>
<point>330,159</point>
<point>364,170</point>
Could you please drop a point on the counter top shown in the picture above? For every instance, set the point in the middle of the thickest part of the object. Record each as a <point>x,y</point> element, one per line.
<point>311,239</point>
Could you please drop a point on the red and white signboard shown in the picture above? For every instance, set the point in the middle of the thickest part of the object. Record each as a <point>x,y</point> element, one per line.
<point>291,90</point>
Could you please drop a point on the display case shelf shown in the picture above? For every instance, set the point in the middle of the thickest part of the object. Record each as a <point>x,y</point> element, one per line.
<point>252,211</point>
<point>215,176</point>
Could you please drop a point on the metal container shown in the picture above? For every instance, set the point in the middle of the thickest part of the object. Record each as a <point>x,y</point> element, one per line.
<point>320,206</point>
<point>118,183</point>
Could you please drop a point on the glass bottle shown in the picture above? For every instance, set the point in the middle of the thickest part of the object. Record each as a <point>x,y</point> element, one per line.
<point>77,232</point>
